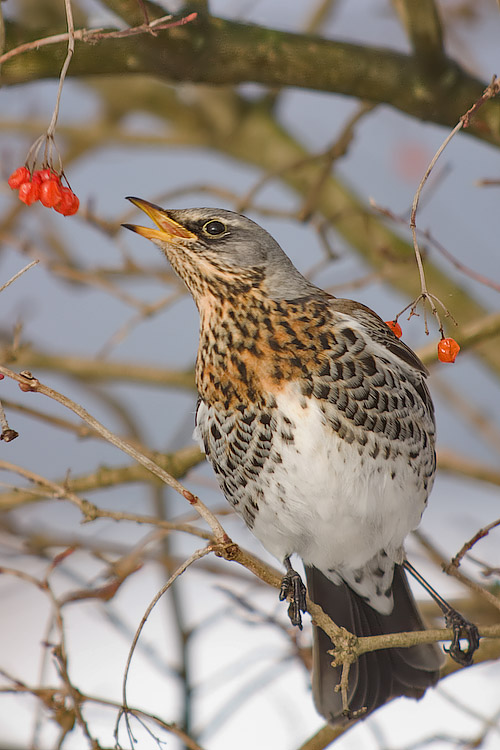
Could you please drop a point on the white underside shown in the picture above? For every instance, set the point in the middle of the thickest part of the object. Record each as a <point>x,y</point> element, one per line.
<point>335,508</point>
<point>340,508</point>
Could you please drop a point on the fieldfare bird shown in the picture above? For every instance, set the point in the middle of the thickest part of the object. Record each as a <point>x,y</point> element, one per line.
<point>319,425</point>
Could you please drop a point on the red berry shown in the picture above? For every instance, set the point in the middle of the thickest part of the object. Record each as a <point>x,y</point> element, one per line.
<point>46,174</point>
<point>40,175</point>
<point>20,175</point>
<point>395,327</point>
<point>50,193</point>
<point>448,350</point>
<point>66,200</point>
<point>68,204</point>
<point>29,192</point>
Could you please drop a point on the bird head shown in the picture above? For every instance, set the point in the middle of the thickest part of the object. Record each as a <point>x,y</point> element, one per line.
<point>212,248</point>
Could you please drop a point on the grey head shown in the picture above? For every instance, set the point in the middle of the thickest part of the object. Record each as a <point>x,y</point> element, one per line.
<point>213,245</point>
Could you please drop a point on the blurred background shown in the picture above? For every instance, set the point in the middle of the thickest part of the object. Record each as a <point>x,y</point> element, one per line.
<point>102,319</point>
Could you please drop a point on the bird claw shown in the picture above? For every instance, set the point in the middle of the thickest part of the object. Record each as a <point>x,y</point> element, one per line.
<point>462,628</point>
<point>292,588</point>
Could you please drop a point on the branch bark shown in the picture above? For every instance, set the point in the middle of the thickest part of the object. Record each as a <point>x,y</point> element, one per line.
<point>217,51</point>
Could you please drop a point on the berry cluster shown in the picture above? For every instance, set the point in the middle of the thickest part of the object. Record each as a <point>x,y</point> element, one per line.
<point>447,348</point>
<point>44,185</point>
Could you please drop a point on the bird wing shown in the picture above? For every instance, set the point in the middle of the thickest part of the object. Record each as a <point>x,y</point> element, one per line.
<point>379,330</point>
<point>380,334</point>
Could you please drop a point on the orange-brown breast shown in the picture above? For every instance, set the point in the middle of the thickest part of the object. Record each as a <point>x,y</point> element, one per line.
<point>251,346</point>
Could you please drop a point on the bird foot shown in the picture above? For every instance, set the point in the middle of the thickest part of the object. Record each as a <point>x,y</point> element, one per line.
<point>293,589</point>
<point>462,628</point>
<point>353,715</point>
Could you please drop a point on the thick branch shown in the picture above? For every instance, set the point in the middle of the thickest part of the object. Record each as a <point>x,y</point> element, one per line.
<point>423,27</point>
<point>218,51</point>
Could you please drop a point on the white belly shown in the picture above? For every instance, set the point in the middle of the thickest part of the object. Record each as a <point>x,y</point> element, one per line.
<point>331,505</point>
<point>326,499</point>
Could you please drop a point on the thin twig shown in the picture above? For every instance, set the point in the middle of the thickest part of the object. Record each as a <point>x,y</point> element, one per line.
<point>47,694</point>
<point>71,48</point>
<point>424,295</point>
<point>455,573</point>
<point>145,28</point>
<point>95,35</point>
<point>145,313</point>
<point>7,434</point>
<point>90,511</point>
<point>489,92</point>
<point>28,383</point>
<point>471,542</point>
<point>338,149</point>
<point>426,234</point>
<point>197,555</point>
<point>18,274</point>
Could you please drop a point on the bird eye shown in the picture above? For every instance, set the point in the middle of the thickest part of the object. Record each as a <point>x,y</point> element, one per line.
<point>214,228</point>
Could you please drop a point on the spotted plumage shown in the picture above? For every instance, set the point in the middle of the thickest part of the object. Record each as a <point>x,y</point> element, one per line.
<point>333,399</point>
<point>320,428</point>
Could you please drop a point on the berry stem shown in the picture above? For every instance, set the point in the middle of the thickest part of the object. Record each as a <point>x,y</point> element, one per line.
<point>490,91</point>
<point>71,48</point>
<point>424,295</point>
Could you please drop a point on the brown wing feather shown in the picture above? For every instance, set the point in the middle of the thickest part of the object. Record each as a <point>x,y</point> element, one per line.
<point>380,331</point>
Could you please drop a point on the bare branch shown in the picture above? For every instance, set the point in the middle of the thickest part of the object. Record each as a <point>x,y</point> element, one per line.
<point>18,274</point>
<point>30,384</point>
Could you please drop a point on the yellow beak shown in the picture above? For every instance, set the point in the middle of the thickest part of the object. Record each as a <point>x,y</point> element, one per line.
<point>168,229</point>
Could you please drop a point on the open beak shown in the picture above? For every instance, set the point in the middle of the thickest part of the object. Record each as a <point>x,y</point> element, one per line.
<point>168,229</point>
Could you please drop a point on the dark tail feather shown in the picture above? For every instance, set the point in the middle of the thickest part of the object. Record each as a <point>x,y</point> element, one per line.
<point>377,676</point>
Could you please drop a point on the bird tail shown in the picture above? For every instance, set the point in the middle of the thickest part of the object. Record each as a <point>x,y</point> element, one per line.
<point>377,676</point>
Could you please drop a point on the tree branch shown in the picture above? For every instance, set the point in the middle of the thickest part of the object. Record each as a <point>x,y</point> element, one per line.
<point>177,464</point>
<point>217,51</point>
<point>423,28</point>
<point>463,466</point>
<point>82,368</point>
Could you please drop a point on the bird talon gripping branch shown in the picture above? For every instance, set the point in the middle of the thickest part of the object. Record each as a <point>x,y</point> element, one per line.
<point>292,588</point>
<point>462,630</point>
